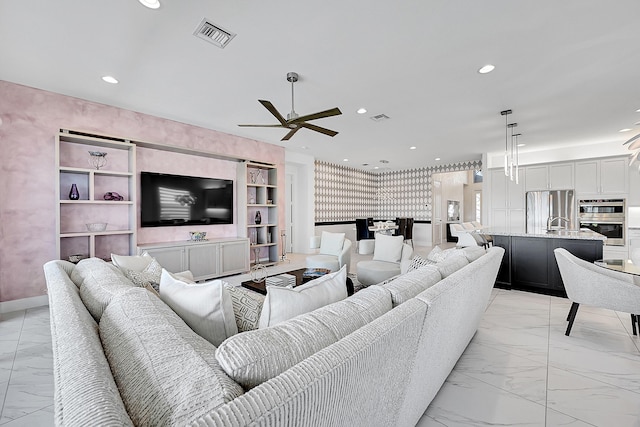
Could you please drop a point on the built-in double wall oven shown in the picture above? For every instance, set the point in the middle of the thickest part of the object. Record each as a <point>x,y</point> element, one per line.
<point>604,216</point>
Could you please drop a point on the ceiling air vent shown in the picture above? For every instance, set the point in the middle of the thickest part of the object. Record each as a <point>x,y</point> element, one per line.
<point>213,33</point>
<point>379,118</point>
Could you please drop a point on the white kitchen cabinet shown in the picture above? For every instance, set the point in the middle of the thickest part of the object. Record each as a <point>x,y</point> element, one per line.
<point>507,201</point>
<point>602,176</point>
<point>556,176</point>
<point>205,259</point>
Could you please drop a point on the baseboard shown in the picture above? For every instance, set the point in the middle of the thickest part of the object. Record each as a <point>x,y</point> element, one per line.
<point>23,303</point>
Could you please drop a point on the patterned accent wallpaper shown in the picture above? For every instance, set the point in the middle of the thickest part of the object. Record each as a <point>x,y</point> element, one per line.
<point>344,193</point>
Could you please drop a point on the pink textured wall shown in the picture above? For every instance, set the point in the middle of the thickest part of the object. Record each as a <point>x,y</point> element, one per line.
<point>29,121</point>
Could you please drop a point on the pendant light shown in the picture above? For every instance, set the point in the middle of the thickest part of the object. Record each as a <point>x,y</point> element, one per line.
<point>506,113</point>
<point>515,143</point>
<point>512,151</point>
<point>511,161</point>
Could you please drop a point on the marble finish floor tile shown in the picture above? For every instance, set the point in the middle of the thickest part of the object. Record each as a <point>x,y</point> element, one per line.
<point>465,401</point>
<point>592,401</point>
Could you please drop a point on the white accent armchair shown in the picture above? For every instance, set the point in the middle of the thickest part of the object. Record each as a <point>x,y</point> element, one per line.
<point>390,256</point>
<point>335,251</point>
<point>589,284</point>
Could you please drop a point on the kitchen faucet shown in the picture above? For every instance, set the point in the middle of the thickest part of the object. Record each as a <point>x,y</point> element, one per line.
<point>560,218</point>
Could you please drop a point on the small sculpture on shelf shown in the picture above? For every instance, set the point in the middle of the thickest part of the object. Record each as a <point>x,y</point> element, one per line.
<point>97,159</point>
<point>73,193</point>
<point>112,195</point>
<point>258,218</point>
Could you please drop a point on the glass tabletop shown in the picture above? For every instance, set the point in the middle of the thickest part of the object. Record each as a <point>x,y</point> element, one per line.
<point>625,266</point>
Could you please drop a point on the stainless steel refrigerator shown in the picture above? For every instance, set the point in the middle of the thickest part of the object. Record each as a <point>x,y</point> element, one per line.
<point>543,205</point>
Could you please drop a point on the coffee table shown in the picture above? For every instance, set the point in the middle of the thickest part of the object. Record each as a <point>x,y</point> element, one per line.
<point>300,278</point>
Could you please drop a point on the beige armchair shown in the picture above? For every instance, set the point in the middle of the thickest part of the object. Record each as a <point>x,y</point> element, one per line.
<point>589,284</point>
<point>334,251</point>
<point>389,255</point>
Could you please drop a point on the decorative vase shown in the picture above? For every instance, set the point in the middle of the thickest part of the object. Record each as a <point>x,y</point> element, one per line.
<point>73,194</point>
<point>258,218</point>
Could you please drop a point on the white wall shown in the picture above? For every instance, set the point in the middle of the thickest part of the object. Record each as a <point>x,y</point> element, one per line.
<point>300,169</point>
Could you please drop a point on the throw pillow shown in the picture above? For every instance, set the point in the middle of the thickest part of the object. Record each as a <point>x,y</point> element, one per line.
<point>205,307</point>
<point>436,254</point>
<point>388,248</point>
<point>136,262</point>
<point>331,243</point>
<point>247,306</point>
<point>284,303</point>
<point>150,275</point>
<point>418,262</point>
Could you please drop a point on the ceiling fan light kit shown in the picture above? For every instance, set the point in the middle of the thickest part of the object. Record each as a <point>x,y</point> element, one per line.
<point>294,122</point>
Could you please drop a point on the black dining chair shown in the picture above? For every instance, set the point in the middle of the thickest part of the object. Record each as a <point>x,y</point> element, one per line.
<point>362,230</point>
<point>402,225</point>
<point>408,231</point>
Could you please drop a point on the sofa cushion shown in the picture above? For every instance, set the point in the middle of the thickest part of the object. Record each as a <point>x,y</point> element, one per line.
<point>284,303</point>
<point>388,248</point>
<point>409,285</point>
<point>256,356</point>
<point>82,374</point>
<point>331,243</point>
<point>436,254</point>
<point>99,284</point>
<point>473,252</point>
<point>166,374</point>
<point>451,264</point>
<point>205,307</point>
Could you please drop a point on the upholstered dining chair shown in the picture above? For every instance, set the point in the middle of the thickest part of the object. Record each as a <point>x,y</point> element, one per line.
<point>408,231</point>
<point>587,283</point>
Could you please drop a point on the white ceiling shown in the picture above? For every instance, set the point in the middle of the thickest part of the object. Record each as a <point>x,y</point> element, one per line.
<point>568,69</point>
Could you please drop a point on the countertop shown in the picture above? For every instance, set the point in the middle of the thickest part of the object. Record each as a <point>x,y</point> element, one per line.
<point>555,234</point>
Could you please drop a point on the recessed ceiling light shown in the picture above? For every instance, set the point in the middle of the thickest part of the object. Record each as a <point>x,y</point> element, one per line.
<point>151,4</point>
<point>345,160</point>
<point>110,79</point>
<point>486,69</point>
<point>413,147</point>
<point>437,159</point>
<point>624,130</point>
<point>638,110</point>
<point>304,147</point>
<point>521,145</point>
<point>637,123</point>
<point>361,110</point>
<point>376,167</point>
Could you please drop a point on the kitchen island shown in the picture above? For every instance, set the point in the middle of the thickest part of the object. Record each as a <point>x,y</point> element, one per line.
<point>529,263</point>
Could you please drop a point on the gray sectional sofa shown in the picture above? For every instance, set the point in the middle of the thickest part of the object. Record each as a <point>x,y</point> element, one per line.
<point>377,358</point>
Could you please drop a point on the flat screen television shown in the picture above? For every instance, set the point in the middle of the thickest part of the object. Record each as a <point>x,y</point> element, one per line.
<point>171,200</point>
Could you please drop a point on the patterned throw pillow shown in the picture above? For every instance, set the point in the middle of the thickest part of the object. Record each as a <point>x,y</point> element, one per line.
<point>247,306</point>
<point>436,254</point>
<point>417,262</point>
<point>149,276</point>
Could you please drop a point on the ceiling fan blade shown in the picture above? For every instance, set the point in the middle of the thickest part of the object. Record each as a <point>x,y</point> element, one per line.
<point>261,126</point>
<point>635,144</point>
<point>290,134</point>
<point>269,106</point>
<point>328,113</point>
<point>319,129</point>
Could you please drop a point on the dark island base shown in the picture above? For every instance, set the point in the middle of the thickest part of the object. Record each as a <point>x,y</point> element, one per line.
<point>529,263</point>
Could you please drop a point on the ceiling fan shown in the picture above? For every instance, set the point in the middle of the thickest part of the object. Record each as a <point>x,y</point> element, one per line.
<point>295,122</point>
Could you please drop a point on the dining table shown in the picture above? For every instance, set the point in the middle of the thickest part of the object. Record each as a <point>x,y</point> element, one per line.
<point>621,265</point>
<point>387,227</point>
